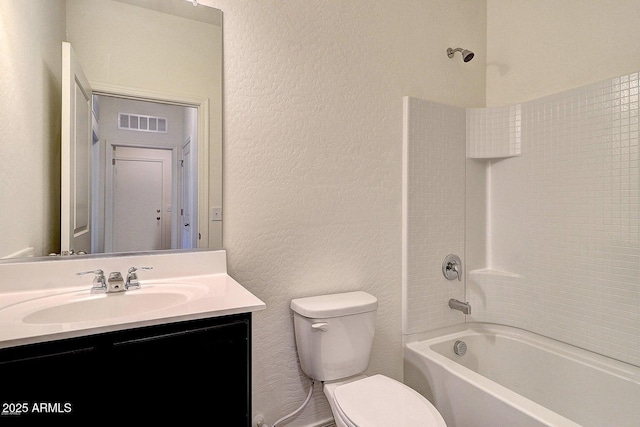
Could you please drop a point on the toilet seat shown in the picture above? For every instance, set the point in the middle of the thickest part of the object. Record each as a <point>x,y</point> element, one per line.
<point>379,401</point>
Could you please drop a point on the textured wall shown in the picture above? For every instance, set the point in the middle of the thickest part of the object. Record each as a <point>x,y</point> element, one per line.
<point>313,159</point>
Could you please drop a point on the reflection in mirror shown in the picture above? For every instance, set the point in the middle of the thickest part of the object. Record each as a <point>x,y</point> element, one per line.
<point>143,165</point>
<point>164,51</point>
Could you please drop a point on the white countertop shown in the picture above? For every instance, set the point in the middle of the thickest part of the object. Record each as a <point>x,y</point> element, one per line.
<point>216,294</point>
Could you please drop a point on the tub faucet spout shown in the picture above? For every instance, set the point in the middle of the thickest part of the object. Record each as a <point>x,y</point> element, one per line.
<point>459,305</point>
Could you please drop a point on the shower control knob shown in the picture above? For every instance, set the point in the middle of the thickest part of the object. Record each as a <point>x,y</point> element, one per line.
<point>452,267</point>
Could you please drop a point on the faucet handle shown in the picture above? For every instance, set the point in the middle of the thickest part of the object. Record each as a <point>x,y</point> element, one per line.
<point>452,267</point>
<point>99,281</point>
<point>132,277</point>
<point>456,268</point>
<point>96,272</point>
<point>134,269</point>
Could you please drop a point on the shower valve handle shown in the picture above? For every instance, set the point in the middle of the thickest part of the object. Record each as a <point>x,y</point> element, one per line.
<point>456,268</point>
<point>452,267</point>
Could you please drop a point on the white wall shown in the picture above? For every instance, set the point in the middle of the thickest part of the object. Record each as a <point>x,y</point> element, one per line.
<point>136,47</point>
<point>312,160</point>
<point>30,47</point>
<point>541,47</point>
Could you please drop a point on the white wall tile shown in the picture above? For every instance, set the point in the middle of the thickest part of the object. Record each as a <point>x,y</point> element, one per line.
<point>433,209</point>
<point>565,220</point>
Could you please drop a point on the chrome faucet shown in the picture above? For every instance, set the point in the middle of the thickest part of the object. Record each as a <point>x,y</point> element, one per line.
<point>115,283</point>
<point>101,285</point>
<point>452,267</point>
<point>99,281</point>
<point>459,305</point>
<point>132,278</point>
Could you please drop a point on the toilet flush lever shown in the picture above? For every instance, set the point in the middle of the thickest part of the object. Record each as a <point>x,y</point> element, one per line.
<point>323,326</point>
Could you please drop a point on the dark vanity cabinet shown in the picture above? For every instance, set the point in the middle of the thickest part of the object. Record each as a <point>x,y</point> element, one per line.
<point>194,372</point>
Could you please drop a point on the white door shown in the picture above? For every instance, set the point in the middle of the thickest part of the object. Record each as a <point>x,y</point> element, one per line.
<point>189,228</point>
<point>139,214</point>
<point>75,198</point>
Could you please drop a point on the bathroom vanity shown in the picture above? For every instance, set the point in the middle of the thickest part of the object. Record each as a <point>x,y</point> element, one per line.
<point>186,370</point>
<point>62,356</point>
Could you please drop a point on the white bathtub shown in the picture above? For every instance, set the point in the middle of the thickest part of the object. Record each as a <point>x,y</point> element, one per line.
<point>514,378</point>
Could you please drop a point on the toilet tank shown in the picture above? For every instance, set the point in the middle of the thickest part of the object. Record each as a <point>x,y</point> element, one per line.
<point>334,333</point>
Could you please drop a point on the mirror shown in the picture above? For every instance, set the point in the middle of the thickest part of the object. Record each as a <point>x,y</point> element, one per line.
<point>165,52</point>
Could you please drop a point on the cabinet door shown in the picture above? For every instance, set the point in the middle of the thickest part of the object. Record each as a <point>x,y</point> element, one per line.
<point>37,382</point>
<point>186,373</point>
<point>196,375</point>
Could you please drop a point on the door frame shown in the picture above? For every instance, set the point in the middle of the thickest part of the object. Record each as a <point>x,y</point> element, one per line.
<point>75,232</point>
<point>203,110</point>
<point>193,232</point>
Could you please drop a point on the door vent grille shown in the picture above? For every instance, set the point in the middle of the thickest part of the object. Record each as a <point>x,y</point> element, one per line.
<point>142,123</point>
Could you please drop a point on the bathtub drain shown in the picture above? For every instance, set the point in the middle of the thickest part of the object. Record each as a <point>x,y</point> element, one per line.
<point>460,348</point>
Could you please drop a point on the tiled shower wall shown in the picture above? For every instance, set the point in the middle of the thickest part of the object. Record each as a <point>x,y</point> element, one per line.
<point>433,210</point>
<point>563,219</point>
<point>562,251</point>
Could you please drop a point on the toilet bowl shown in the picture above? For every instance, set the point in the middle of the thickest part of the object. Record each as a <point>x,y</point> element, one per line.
<point>379,401</point>
<point>334,334</point>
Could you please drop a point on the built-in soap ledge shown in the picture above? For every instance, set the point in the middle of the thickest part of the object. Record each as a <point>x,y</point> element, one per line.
<point>494,132</point>
<point>492,157</point>
<point>484,272</point>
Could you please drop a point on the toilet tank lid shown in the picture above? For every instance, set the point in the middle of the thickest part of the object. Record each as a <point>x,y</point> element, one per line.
<point>334,305</point>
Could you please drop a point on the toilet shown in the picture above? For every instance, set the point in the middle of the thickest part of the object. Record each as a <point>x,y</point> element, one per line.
<point>334,334</point>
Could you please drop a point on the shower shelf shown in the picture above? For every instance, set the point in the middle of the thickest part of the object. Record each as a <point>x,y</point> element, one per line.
<point>494,132</point>
<point>493,272</point>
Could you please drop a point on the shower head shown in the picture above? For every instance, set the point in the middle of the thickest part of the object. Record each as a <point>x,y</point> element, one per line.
<point>467,55</point>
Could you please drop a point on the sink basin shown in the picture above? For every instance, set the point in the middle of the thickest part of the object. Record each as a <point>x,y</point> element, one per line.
<point>83,306</point>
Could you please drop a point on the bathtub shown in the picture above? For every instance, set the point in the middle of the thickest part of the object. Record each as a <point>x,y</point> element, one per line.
<point>513,378</point>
